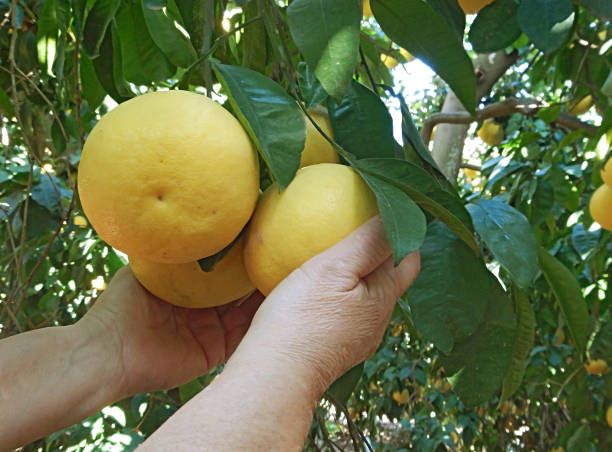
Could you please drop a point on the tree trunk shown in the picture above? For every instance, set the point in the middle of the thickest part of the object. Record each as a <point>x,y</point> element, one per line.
<point>450,138</point>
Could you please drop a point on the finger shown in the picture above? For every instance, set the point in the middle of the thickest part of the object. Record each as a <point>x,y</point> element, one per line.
<point>392,281</point>
<point>358,254</point>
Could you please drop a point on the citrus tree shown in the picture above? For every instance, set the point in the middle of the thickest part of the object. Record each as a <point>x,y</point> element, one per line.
<point>505,338</point>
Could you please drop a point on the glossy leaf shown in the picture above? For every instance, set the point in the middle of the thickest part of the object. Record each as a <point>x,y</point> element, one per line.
<point>546,22</point>
<point>436,43</point>
<point>404,221</point>
<point>495,27</point>
<point>452,12</point>
<point>142,61</point>
<point>523,343</point>
<point>327,34</point>
<point>91,89</point>
<point>567,291</point>
<point>310,88</point>
<point>509,236</point>
<point>272,118</point>
<point>96,24</point>
<point>362,124</point>
<point>425,191</point>
<point>600,8</point>
<point>479,363</point>
<point>343,387</point>
<point>449,297</point>
<point>168,38</point>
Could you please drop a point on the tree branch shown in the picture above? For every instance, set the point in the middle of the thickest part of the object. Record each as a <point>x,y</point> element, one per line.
<point>528,107</point>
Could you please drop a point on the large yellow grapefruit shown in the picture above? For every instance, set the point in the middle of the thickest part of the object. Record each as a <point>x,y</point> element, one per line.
<point>600,206</point>
<point>323,204</point>
<point>188,286</point>
<point>169,176</point>
<point>316,148</point>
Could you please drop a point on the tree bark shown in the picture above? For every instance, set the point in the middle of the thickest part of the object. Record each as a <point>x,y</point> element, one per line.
<point>450,138</point>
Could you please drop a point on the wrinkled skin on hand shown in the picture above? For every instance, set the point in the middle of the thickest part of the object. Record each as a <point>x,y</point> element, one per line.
<point>331,313</point>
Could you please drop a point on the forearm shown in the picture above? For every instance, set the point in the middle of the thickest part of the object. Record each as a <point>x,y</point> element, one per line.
<point>259,402</point>
<point>52,378</point>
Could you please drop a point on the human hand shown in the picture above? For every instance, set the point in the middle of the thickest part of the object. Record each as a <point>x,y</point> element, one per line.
<point>331,313</point>
<point>155,345</point>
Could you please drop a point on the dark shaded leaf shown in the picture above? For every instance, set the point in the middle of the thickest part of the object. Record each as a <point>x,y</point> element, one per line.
<point>452,12</point>
<point>343,387</point>
<point>567,291</point>
<point>600,8</point>
<point>404,221</point>
<point>508,235</point>
<point>449,297</point>
<point>272,118</point>
<point>96,25</point>
<point>436,43</point>
<point>495,27</point>
<point>479,363</point>
<point>546,22</point>
<point>108,68</point>
<point>91,89</point>
<point>327,34</point>
<point>362,124</point>
<point>310,88</point>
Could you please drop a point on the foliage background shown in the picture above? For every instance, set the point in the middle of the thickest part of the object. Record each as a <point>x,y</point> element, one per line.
<point>65,63</point>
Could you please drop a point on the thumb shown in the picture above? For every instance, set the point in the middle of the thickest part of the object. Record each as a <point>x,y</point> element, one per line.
<point>355,256</point>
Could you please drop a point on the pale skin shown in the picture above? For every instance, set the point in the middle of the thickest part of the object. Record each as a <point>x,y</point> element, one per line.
<point>325,317</point>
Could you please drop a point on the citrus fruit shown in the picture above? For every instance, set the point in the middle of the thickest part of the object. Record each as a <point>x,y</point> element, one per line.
<point>80,221</point>
<point>606,173</point>
<point>401,397</point>
<point>600,206</point>
<point>169,176</point>
<point>596,367</point>
<point>491,133</point>
<point>609,416</point>
<point>187,285</point>
<point>367,10</point>
<point>323,204</point>
<point>316,148</point>
<point>581,106</point>
<point>473,6</point>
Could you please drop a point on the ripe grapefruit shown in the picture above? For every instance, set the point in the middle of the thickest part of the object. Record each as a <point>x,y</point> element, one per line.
<point>600,206</point>
<point>316,148</point>
<point>187,285</point>
<point>323,204</point>
<point>169,176</point>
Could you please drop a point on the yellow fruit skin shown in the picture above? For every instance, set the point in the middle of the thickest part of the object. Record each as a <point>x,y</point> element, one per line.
<point>323,204</point>
<point>169,176</point>
<point>473,6</point>
<point>609,416</point>
<point>582,106</point>
<point>316,148</point>
<point>367,10</point>
<point>188,286</point>
<point>596,367</point>
<point>606,173</point>
<point>401,397</point>
<point>600,206</point>
<point>491,133</point>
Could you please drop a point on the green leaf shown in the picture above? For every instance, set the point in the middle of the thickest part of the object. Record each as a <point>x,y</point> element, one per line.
<point>404,221</point>
<point>142,61</point>
<point>546,22</point>
<point>168,38</point>
<point>343,387</point>
<point>601,347</point>
<point>509,236</point>
<point>207,264</point>
<point>190,389</point>
<point>362,124</point>
<point>255,42</point>
<point>452,12</point>
<point>310,88</point>
<point>96,24</point>
<point>91,89</point>
<point>47,34</point>
<point>426,192</point>
<point>6,106</point>
<point>108,68</point>
<point>416,27</point>
<point>449,297</point>
<point>542,201</point>
<point>327,34</point>
<point>479,363</point>
<point>272,118</point>
<point>600,8</point>
<point>567,291</point>
<point>496,27</point>
<point>523,343</point>
<point>49,193</point>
